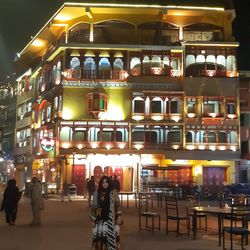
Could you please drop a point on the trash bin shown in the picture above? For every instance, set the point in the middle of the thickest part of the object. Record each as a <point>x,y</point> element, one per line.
<point>72,190</point>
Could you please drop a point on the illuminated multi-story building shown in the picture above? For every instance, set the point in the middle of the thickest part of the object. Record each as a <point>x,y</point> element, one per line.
<point>244,166</point>
<point>7,128</point>
<point>145,91</point>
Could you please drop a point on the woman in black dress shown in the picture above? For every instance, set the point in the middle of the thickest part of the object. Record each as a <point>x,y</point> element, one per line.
<point>106,217</point>
<point>11,197</point>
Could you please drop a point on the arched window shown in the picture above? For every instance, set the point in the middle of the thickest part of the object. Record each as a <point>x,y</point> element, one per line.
<point>114,32</point>
<point>221,60</point>
<point>89,64</point>
<point>146,65</point>
<point>174,135</point>
<point>201,137</point>
<point>58,73</point>
<point>211,59</point>
<point>231,63</point>
<point>211,137</point>
<point>233,137</point>
<point>189,137</point>
<point>75,63</point>
<point>200,59</point>
<point>135,66</point>
<point>66,134</point>
<point>190,59</point>
<point>138,105</point>
<point>157,33</point>
<point>79,33</point>
<point>118,64</point>
<point>222,137</point>
<point>80,135</point>
<point>176,106</point>
<point>104,64</point>
<point>138,134</point>
<point>156,105</point>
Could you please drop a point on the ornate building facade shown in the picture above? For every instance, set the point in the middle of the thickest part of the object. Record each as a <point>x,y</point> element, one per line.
<point>147,92</point>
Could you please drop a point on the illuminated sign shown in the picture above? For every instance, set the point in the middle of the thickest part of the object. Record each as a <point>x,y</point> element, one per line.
<point>47,144</point>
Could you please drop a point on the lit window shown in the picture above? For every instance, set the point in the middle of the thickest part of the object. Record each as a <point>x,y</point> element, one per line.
<point>97,104</point>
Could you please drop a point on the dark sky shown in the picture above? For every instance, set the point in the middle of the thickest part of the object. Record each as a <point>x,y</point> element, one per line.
<point>21,19</point>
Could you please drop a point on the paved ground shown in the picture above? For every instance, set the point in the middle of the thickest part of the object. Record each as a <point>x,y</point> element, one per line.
<point>66,226</point>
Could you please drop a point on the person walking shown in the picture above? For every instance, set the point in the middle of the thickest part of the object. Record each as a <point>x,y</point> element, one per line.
<point>65,191</point>
<point>91,189</point>
<point>106,217</point>
<point>116,184</point>
<point>37,202</point>
<point>10,201</point>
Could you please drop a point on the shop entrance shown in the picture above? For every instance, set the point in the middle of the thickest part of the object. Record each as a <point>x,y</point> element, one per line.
<point>124,175</point>
<point>213,178</point>
<point>78,178</point>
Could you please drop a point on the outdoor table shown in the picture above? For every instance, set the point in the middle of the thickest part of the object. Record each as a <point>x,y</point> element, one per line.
<point>217,211</point>
<point>121,194</point>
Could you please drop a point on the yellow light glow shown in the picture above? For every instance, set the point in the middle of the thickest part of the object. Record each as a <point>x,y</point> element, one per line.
<point>231,116</point>
<point>212,44</point>
<point>62,17</point>
<point>198,170</point>
<point>65,145</point>
<point>201,147</point>
<point>146,6</point>
<point>175,118</point>
<point>79,146</point>
<point>108,146</point>
<point>157,117</point>
<point>94,145</point>
<point>212,115</point>
<point>175,146</point>
<point>138,146</point>
<point>213,148</point>
<point>222,148</point>
<point>191,115</point>
<point>121,145</point>
<point>138,117</point>
<point>190,147</point>
<point>233,148</point>
<point>67,114</point>
<point>38,42</point>
<point>115,113</point>
<point>52,169</point>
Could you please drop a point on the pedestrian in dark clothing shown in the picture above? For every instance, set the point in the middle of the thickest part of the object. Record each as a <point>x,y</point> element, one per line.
<point>10,201</point>
<point>116,184</point>
<point>91,189</point>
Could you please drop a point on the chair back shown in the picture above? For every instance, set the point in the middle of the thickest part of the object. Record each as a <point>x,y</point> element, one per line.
<point>172,208</point>
<point>144,200</point>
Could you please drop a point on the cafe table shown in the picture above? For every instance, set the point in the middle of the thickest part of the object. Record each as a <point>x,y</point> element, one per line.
<point>216,211</point>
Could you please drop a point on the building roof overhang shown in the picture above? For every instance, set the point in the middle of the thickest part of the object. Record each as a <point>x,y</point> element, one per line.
<point>70,12</point>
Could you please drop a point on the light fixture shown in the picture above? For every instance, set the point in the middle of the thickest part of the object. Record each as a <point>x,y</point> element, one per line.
<point>94,145</point>
<point>108,146</point>
<point>233,148</point>
<point>121,145</point>
<point>65,145</point>
<point>222,148</point>
<point>79,146</point>
<point>190,147</point>
<point>201,147</point>
<point>191,115</point>
<point>175,146</point>
<point>231,116</point>
<point>213,148</point>
<point>138,146</point>
<point>175,118</point>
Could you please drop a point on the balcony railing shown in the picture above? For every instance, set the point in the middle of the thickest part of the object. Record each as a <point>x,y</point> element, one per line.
<point>212,73</point>
<point>71,74</point>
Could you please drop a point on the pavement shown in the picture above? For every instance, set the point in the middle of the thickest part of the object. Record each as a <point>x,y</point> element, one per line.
<point>66,226</point>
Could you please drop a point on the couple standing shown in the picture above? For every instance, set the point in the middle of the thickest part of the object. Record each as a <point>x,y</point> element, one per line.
<point>12,196</point>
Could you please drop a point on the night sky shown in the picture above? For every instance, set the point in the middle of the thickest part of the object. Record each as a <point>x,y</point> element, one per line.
<point>21,19</point>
